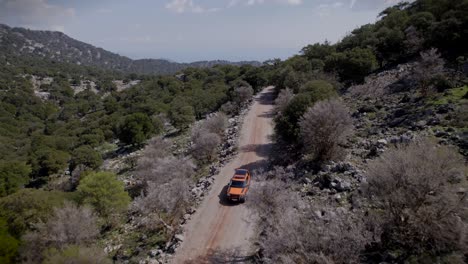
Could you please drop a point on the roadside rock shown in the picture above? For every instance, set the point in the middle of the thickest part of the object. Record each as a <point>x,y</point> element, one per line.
<point>179,237</point>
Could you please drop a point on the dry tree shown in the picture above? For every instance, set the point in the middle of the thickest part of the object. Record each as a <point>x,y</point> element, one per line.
<point>416,188</point>
<point>428,67</point>
<point>216,124</point>
<point>293,231</point>
<point>69,225</point>
<point>283,99</point>
<point>324,127</point>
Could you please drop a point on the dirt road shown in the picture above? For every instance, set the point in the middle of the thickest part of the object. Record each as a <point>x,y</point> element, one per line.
<point>219,226</point>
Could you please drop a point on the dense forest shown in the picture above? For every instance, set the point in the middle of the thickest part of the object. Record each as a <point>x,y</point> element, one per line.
<point>84,118</point>
<point>60,121</point>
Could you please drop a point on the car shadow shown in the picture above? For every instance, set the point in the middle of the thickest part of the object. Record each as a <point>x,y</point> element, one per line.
<point>254,168</point>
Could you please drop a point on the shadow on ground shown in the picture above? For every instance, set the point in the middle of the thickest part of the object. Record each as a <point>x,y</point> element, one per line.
<point>269,114</point>
<point>261,150</point>
<point>223,256</point>
<point>266,98</point>
<point>253,167</point>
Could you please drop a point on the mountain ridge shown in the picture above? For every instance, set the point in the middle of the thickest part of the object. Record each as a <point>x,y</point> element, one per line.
<point>58,46</point>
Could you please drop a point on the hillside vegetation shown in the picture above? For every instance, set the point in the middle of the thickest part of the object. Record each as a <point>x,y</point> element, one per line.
<point>371,144</point>
<point>16,43</point>
<point>59,122</point>
<point>368,163</point>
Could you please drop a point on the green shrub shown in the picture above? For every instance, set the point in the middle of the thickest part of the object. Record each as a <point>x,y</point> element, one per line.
<point>181,114</point>
<point>49,161</point>
<point>319,90</point>
<point>352,65</point>
<point>135,129</point>
<point>13,175</point>
<point>77,255</point>
<point>287,124</point>
<point>8,244</point>
<point>85,155</point>
<point>104,192</point>
<point>28,206</point>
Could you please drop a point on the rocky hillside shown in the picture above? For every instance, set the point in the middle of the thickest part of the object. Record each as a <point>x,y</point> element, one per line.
<point>60,47</point>
<point>401,168</point>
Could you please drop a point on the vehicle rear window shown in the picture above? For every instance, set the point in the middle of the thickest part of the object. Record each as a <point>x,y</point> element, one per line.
<point>241,172</point>
<point>237,183</point>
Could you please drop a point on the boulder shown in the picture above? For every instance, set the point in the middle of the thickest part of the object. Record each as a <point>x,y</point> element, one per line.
<point>179,237</point>
<point>382,143</point>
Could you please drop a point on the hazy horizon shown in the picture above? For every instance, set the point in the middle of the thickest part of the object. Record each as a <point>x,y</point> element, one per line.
<point>195,30</point>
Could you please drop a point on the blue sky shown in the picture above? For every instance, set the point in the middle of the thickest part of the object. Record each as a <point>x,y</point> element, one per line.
<point>190,30</point>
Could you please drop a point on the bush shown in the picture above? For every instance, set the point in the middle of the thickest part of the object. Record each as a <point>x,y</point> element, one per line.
<point>319,90</point>
<point>51,161</point>
<point>318,87</point>
<point>8,244</point>
<point>156,148</point>
<point>158,125</point>
<point>163,169</point>
<point>308,238</point>
<point>164,198</point>
<point>205,144</point>
<point>270,199</point>
<point>295,232</point>
<point>13,175</point>
<point>324,127</point>
<point>165,181</point>
<point>216,124</point>
<point>181,113</point>
<point>28,206</point>
<point>182,117</point>
<point>87,156</point>
<point>104,192</point>
<point>429,66</point>
<point>415,189</point>
<point>229,108</point>
<point>69,225</point>
<point>286,125</point>
<point>284,97</point>
<point>135,129</point>
<point>206,137</point>
<point>352,65</point>
<point>76,255</point>
<point>242,94</point>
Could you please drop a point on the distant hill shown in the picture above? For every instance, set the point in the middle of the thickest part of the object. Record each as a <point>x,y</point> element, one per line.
<point>60,47</point>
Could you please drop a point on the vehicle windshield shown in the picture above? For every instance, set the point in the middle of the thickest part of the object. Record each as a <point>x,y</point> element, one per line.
<point>239,184</point>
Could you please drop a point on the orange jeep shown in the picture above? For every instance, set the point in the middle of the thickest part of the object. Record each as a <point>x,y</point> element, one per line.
<point>239,185</point>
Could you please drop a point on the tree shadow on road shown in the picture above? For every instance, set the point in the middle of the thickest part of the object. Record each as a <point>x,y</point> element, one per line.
<point>266,98</point>
<point>224,256</point>
<point>262,150</point>
<point>268,114</point>
<point>258,165</point>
